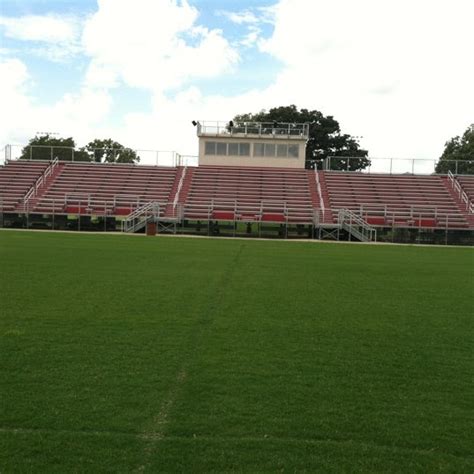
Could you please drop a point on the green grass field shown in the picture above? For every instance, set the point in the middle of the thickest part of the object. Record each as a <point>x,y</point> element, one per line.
<point>139,354</point>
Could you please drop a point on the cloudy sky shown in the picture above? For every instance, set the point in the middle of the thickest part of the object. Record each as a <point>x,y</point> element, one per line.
<point>399,73</point>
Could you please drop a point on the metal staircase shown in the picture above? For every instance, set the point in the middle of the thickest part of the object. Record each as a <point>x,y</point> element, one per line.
<point>140,217</point>
<point>356,226</point>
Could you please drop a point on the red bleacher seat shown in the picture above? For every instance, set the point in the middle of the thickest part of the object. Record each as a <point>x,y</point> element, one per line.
<point>74,209</point>
<point>122,211</point>
<point>273,217</point>
<point>375,220</point>
<point>425,222</point>
<point>223,215</point>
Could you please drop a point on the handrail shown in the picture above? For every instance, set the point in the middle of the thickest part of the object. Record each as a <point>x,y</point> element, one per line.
<point>318,185</point>
<point>42,179</point>
<point>356,225</point>
<point>343,213</point>
<point>140,210</point>
<point>320,194</point>
<point>140,216</point>
<point>178,191</point>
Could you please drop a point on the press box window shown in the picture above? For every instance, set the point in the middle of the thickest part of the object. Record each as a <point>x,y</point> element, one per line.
<point>244,149</point>
<point>210,148</point>
<point>233,149</point>
<point>270,149</point>
<point>258,149</point>
<point>282,151</point>
<point>293,151</point>
<point>221,148</point>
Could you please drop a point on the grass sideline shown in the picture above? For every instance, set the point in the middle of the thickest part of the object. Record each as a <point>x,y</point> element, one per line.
<point>201,355</point>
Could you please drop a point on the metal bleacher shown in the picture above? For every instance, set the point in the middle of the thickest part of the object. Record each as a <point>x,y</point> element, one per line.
<point>386,200</point>
<point>231,193</point>
<point>249,194</point>
<point>114,189</point>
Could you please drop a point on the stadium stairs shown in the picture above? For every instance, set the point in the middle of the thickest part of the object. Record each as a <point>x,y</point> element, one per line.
<point>170,209</point>
<point>328,215</point>
<point>184,192</point>
<point>179,192</point>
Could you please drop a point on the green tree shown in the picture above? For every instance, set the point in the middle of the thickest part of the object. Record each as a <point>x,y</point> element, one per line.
<point>460,149</point>
<point>325,137</point>
<point>110,151</point>
<point>46,147</point>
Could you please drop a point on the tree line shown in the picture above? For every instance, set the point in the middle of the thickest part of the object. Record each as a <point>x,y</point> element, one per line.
<point>45,147</point>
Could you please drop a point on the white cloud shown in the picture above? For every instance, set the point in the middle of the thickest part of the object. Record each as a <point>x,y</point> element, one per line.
<point>100,76</point>
<point>47,28</point>
<point>252,20</point>
<point>254,16</point>
<point>155,45</point>
<point>14,99</point>
<point>252,37</point>
<point>52,36</point>
<point>240,17</point>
